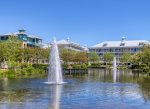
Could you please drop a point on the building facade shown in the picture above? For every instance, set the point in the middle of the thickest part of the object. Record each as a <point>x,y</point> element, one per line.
<point>68,44</point>
<point>28,40</point>
<point>118,48</point>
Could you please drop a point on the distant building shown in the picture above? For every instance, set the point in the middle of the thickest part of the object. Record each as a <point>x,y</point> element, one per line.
<point>45,45</point>
<point>118,47</point>
<point>28,40</point>
<point>67,44</point>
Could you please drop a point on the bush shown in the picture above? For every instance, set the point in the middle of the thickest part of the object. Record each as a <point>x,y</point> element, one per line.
<point>76,66</point>
<point>65,66</point>
<point>24,65</point>
<point>139,66</point>
<point>27,71</point>
<point>79,66</point>
<point>40,66</point>
<point>84,66</point>
<point>10,73</point>
<point>95,64</point>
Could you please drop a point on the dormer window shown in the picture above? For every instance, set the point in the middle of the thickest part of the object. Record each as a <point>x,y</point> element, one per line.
<point>122,44</point>
<point>105,44</point>
<point>141,44</point>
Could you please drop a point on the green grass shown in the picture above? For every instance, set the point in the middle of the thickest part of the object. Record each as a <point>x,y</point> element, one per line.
<point>23,73</point>
<point>2,71</point>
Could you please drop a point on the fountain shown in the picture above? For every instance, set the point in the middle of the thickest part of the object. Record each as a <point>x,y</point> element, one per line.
<point>54,70</point>
<point>114,69</point>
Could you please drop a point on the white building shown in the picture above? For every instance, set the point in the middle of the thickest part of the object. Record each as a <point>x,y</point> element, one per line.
<point>67,44</point>
<point>118,47</point>
<point>45,45</point>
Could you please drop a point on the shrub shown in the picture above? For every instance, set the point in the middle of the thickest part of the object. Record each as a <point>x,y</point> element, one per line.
<point>40,66</point>
<point>84,66</point>
<point>10,73</point>
<point>65,66</point>
<point>95,64</point>
<point>79,66</point>
<point>76,66</point>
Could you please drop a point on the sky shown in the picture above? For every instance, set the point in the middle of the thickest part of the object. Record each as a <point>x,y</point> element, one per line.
<point>86,22</point>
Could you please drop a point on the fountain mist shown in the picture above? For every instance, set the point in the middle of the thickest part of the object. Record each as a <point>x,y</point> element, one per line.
<point>54,70</point>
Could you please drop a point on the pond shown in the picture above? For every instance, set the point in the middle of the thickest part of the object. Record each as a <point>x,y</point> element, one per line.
<point>95,90</point>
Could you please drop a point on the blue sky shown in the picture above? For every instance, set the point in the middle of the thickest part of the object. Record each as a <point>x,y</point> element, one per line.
<point>87,22</point>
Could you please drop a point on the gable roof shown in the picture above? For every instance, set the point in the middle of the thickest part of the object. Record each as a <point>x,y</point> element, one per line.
<point>128,43</point>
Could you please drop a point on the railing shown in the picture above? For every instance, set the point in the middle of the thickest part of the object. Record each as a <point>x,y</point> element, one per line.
<point>75,71</point>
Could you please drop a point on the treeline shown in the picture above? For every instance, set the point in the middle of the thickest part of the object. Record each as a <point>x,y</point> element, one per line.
<point>12,52</point>
<point>18,57</point>
<point>73,59</point>
<point>141,60</point>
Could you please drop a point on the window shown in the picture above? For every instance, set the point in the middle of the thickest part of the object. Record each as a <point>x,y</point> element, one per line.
<point>122,44</point>
<point>111,50</point>
<point>141,43</point>
<point>2,38</point>
<point>105,44</point>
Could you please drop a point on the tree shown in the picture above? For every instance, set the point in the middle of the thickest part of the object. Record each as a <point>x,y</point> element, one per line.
<point>136,58</point>
<point>2,52</point>
<point>93,57</point>
<point>28,54</point>
<point>142,57</point>
<point>12,48</point>
<point>81,57</point>
<point>125,58</point>
<point>145,57</point>
<point>108,58</point>
<point>67,55</point>
<point>10,51</point>
<point>45,53</point>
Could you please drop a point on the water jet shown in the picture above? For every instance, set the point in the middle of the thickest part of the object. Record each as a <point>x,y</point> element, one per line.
<point>54,69</point>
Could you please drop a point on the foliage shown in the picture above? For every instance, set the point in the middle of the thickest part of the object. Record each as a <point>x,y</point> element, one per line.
<point>10,49</point>
<point>73,56</point>
<point>142,58</point>
<point>108,57</point>
<point>95,64</point>
<point>125,58</point>
<point>93,57</point>
<point>67,55</point>
<point>12,52</point>
<point>79,66</point>
<point>26,72</point>
<point>40,66</point>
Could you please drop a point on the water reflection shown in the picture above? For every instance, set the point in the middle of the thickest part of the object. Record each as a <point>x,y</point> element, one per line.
<point>124,76</point>
<point>55,95</point>
<point>144,85</point>
<point>115,75</point>
<point>95,90</point>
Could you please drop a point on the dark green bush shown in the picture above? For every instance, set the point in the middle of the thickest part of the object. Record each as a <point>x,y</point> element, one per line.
<point>76,66</point>
<point>10,73</point>
<point>40,66</point>
<point>95,64</point>
<point>65,66</point>
<point>79,66</point>
<point>84,66</point>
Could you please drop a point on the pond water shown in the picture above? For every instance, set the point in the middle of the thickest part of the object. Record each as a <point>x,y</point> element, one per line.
<point>95,90</point>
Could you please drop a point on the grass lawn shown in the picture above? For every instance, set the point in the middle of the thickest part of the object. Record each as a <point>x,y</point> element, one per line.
<point>2,70</point>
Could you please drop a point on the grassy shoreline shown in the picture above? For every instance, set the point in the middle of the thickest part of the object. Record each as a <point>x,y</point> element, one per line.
<point>26,72</point>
